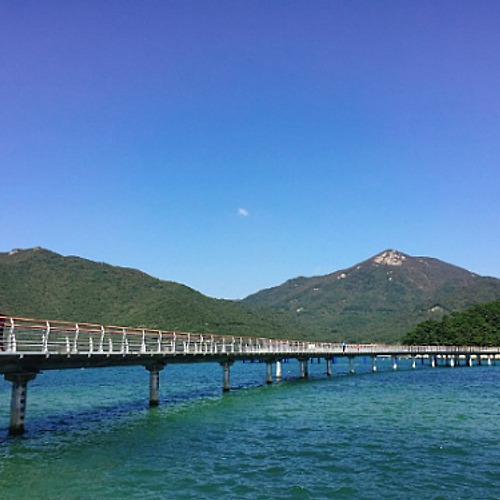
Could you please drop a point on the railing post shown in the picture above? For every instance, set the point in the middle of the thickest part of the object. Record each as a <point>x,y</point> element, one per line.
<point>101,340</point>
<point>75,341</point>
<point>18,400</point>
<point>124,341</point>
<point>159,341</point>
<point>174,343</point>
<point>45,342</point>
<point>11,341</point>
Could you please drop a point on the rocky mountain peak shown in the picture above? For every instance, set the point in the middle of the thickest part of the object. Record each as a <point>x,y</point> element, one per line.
<point>390,258</point>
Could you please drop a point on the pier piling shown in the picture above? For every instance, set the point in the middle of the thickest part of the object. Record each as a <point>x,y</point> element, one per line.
<point>278,370</point>
<point>226,376</point>
<point>154,383</point>
<point>328,367</point>
<point>18,400</point>
<point>351,364</point>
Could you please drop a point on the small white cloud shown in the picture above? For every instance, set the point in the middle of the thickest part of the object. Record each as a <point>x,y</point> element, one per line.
<point>243,212</point>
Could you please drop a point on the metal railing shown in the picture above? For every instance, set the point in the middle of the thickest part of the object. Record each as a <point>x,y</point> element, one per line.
<point>34,336</point>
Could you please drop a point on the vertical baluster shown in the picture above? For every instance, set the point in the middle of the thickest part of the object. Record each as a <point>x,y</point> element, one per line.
<point>45,339</point>
<point>101,340</point>
<point>11,343</point>
<point>159,341</point>
<point>124,341</point>
<point>75,340</point>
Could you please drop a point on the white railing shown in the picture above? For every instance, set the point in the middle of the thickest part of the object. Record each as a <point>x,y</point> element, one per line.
<point>33,336</point>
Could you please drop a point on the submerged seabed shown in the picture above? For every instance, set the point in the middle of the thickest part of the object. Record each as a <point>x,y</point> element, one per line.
<point>425,433</point>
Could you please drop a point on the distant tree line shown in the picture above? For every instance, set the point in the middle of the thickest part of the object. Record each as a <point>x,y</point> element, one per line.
<point>477,326</point>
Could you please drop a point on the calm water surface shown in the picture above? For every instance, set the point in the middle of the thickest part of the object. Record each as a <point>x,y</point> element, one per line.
<point>425,433</point>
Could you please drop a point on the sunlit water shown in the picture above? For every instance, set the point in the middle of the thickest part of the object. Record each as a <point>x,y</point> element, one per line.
<point>423,434</point>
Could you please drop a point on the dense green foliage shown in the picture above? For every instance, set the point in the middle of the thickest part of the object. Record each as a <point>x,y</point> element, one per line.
<point>476,326</point>
<point>42,284</point>
<point>370,302</point>
<point>379,299</point>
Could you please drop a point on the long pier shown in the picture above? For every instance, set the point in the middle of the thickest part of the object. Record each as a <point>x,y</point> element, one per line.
<point>29,346</point>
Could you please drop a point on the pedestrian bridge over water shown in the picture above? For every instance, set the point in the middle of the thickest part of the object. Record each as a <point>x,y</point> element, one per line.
<point>29,346</point>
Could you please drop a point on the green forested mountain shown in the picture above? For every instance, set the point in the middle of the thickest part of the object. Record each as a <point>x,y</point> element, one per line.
<point>380,299</point>
<point>42,284</point>
<point>476,326</point>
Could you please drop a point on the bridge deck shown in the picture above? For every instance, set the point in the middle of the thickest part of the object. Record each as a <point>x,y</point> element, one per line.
<point>29,346</point>
<point>35,345</point>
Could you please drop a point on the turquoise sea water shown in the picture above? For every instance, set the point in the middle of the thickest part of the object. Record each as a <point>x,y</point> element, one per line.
<point>423,434</point>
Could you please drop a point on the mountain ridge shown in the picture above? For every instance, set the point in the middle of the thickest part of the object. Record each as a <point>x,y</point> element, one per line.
<point>41,283</point>
<point>377,300</point>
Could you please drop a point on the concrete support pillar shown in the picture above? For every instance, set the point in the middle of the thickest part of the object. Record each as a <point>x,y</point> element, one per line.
<point>269,372</point>
<point>452,361</point>
<point>351,364</point>
<point>433,361</point>
<point>468,361</point>
<point>278,370</point>
<point>304,368</point>
<point>374,364</point>
<point>154,383</point>
<point>479,359</point>
<point>226,376</point>
<point>394,363</point>
<point>18,400</point>
<point>328,367</point>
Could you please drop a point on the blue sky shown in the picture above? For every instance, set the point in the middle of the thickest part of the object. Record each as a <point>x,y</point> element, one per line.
<point>232,145</point>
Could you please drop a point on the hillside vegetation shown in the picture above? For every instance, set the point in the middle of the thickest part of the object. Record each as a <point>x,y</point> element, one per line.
<point>43,284</point>
<point>476,326</point>
<point>380,299</point>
